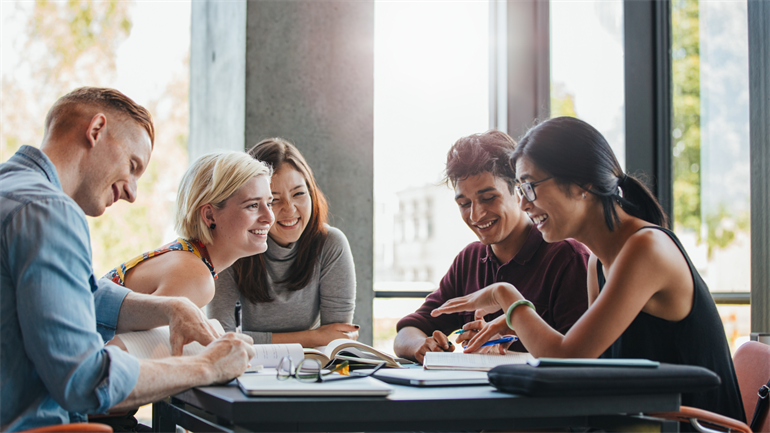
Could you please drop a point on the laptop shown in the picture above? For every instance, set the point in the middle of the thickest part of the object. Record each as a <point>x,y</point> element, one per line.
<point>420,377</point>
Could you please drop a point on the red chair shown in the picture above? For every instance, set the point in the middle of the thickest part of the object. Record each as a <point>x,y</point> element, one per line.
<point>752,368</point>
<point>85,427</point>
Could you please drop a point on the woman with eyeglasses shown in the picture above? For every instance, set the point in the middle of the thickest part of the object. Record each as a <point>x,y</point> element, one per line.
<point>303,289</point>
<point>646,299</point>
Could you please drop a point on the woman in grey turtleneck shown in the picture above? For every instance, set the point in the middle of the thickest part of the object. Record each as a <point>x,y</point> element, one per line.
<point>303,289</point>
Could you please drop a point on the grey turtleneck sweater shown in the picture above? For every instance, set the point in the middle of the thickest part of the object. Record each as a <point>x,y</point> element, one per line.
<point>329,297</point>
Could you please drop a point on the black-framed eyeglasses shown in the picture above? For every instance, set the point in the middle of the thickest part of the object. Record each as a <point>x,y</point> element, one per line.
<point>310,370</point>
<point>527,189</point>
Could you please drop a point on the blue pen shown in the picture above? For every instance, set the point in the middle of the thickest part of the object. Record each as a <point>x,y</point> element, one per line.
<point>508,339</point>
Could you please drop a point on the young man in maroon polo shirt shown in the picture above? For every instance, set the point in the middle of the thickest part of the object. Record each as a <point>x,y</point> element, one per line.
<point>510,248</point>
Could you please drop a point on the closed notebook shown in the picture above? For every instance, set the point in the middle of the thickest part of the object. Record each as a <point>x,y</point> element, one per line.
<point>471,361</point>
<point>420,377</point>
<point>269,385</point>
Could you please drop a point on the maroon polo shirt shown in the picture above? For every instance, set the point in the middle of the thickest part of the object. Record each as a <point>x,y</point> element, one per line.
<point>550,275</point>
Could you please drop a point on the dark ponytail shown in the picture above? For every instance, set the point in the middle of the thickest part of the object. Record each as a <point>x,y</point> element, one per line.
<point>638,201</point>
<point>573,151</point>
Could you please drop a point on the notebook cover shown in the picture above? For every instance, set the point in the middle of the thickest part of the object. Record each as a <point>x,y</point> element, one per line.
<point>420,377</point>
<point>264,385</point>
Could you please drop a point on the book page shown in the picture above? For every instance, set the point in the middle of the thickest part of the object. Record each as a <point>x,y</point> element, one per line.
<point>355,348</point>
<point>471,361</point>
<point>317,354</point>
<point>270,355</point>
<point>344,348</point>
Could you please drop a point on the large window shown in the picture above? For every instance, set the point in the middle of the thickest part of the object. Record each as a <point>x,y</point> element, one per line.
<point>431,88</point>
<point>710,144</point>
<point>587,66</point>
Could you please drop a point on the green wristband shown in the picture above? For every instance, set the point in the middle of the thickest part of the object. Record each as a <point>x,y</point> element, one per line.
<point>513,307</point>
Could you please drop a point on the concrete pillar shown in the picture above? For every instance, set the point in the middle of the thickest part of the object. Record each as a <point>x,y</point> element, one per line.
<point>302,70</point>
<point>217,77</point>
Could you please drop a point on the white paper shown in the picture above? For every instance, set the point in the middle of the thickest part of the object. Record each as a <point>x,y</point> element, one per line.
<point>155,344</point>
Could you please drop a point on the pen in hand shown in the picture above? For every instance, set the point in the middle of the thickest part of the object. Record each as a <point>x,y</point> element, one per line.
<point>506,339</point>
<point>462,331</point>
<point>238,316</point>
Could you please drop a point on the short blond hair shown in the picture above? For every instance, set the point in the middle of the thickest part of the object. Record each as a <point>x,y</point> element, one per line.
<point>212,179</point>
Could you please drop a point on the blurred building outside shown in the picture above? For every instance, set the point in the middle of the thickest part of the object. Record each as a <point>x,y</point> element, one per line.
<point>416,241</point>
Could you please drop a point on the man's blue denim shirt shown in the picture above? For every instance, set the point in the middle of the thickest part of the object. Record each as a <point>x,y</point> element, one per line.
<point>54,318</point>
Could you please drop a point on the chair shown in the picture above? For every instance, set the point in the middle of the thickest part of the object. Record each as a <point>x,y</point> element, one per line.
<point>85,427</point>
<point>752,368</point>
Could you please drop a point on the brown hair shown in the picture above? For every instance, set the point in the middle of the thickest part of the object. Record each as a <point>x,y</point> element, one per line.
<point>472,155</point>
<point>69,106</point>
<point>250,272</point>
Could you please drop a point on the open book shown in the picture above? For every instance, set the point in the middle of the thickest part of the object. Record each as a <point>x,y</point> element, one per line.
<point>472,361</point>
<point>353,351</point>
<point>154,344</point>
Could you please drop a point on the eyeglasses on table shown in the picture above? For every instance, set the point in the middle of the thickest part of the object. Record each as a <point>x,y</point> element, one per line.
<point>310,370</point>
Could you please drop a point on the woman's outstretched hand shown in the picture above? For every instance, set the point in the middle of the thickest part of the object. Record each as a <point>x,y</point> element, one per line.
<point>488,300</point>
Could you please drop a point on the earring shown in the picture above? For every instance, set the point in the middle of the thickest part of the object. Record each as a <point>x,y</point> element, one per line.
<point>584,196</point>
<point>213,226</point>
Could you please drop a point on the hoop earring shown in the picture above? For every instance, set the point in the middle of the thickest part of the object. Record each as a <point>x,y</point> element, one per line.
<point>213,226</point>
<point>584,196</point>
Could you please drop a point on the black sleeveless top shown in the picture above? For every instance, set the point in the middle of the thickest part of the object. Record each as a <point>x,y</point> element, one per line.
<point>698,339</point>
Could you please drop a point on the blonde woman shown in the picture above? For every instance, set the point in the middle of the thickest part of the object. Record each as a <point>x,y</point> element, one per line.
<point>223,213</point>
<point>303,290</point>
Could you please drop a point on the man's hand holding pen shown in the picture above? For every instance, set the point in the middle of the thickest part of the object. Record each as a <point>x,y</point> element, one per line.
<point>494,330</point>
<point>437,342</point>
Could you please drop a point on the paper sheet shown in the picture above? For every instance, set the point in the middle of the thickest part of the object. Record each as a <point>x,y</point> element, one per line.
<point>154,344</point>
